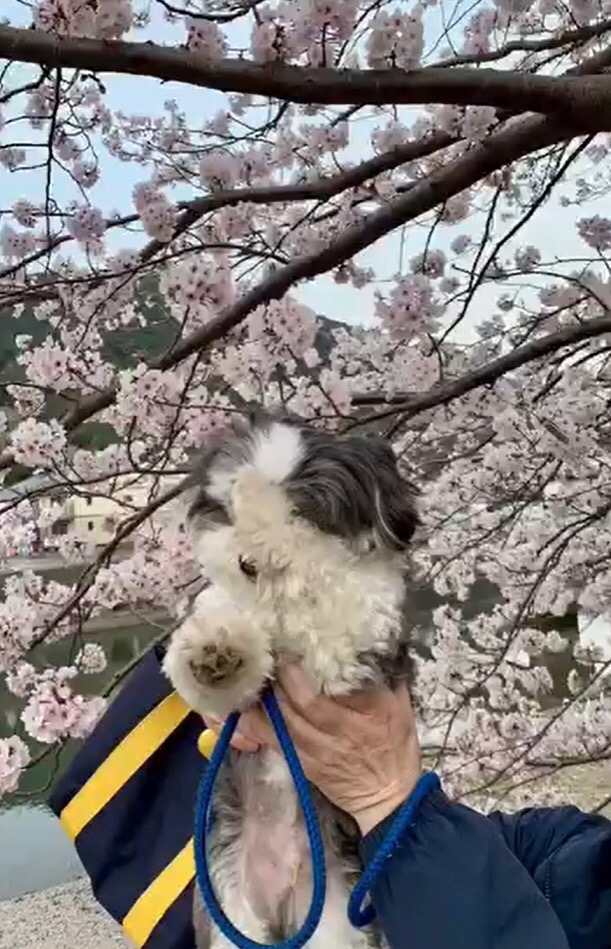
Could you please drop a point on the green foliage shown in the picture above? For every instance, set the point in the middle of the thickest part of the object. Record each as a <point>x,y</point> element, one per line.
<point>124,347</point>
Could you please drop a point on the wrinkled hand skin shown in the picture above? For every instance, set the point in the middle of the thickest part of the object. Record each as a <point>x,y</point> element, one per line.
<point>361,751</point>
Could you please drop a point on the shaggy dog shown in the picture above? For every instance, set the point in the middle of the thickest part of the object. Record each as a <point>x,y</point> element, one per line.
<point>302,537</point>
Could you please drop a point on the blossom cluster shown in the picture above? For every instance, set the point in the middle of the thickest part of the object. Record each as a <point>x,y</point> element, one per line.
<point>342,264</point>
<point>156,213</point>
<point>412,307</point>
<point>38,443</point>
<point>107,19</point>
<point>86,224</point>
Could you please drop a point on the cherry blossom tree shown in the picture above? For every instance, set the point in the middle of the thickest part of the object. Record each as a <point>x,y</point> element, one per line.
<point>369,214</point>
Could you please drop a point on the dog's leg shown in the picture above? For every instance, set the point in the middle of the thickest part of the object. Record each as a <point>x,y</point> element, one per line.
<point>217,661</point>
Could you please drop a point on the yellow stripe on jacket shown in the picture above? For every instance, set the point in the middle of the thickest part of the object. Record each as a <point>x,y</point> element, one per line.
<point>150,908</point>
<point>112,775</point>
<point>165,889</point>
<point>122,763</point>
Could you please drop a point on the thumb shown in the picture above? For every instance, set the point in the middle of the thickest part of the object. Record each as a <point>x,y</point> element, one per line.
<point>239,740</point>
<point>255,725</point>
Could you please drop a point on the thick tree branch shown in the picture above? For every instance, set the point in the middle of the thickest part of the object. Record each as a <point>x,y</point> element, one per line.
<point>586,102</point>
<point>321,190</point>
<point>488,374</point>
<point>500,149</point>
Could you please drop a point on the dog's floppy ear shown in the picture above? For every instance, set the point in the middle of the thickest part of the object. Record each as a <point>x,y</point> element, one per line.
<point>395,517</point>
<point>351,486</point>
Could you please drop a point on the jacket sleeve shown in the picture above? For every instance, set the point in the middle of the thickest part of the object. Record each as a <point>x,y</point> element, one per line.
<point>453,883</point>
<point>568,854</point>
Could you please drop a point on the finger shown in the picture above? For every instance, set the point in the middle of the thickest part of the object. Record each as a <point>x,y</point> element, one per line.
<point>297,691</point>
<point>309,740</point>
<point>239,740</point>
<point>255,726</point>
<point>241,743</point>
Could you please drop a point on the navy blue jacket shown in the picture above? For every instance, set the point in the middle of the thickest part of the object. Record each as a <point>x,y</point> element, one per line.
<point>538,879</point>
<point>458,880</point>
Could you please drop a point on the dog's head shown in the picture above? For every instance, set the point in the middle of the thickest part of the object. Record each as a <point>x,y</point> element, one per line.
<point>282,475</point>
<point>306,532</point>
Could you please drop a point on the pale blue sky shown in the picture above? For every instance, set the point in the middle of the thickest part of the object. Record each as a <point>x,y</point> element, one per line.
<point>552,228</point>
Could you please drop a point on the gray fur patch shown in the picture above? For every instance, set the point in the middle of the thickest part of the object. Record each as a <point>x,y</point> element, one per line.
<point>351,486</point>
<point>227,450</point>
<point>201,921</point>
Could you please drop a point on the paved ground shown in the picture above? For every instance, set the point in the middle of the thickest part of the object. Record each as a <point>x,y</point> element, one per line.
<point>64,917</point>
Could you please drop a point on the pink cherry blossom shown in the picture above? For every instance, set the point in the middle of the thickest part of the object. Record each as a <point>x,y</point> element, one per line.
<point>55,712</point>
<point>38,443</point>
<point>206,39</point>
<point>12,158</point>
<point>14,756</point>
<point>411,308</point>
<point>596,232</point>
<point>431,264</point>
<point>86,224</point>
<point>479,30</point>
<point>174,257</point>
<point>25,213</point>
<point>156,213</point>
<point>396,39</point>
<point>85,173</point>
<point>219,170</point>
<point>16,245</point>
<point>527,258</point>
<point>91,659</point>
<point>109,19</point>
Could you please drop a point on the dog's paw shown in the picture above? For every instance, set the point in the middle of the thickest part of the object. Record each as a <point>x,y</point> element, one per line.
<point>217,663</point>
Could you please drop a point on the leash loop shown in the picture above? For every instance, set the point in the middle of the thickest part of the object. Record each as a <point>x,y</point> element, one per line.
<point>202,827</point>
<point>358,915</point>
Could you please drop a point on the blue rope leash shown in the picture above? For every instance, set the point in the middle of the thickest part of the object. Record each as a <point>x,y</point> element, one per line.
<point>202,815</point>
<point>358,916</point>
<point>362,917</point>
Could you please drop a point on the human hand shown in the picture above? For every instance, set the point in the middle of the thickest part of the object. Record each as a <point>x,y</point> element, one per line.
<point>361,750</point>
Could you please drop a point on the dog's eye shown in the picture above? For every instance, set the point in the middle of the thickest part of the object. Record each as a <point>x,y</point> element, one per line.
<point>248,568</point>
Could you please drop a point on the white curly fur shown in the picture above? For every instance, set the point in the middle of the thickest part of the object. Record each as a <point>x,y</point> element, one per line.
<point>317,599</point>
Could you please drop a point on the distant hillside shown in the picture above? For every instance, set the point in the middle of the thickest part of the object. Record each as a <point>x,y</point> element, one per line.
<point>124,347</point>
